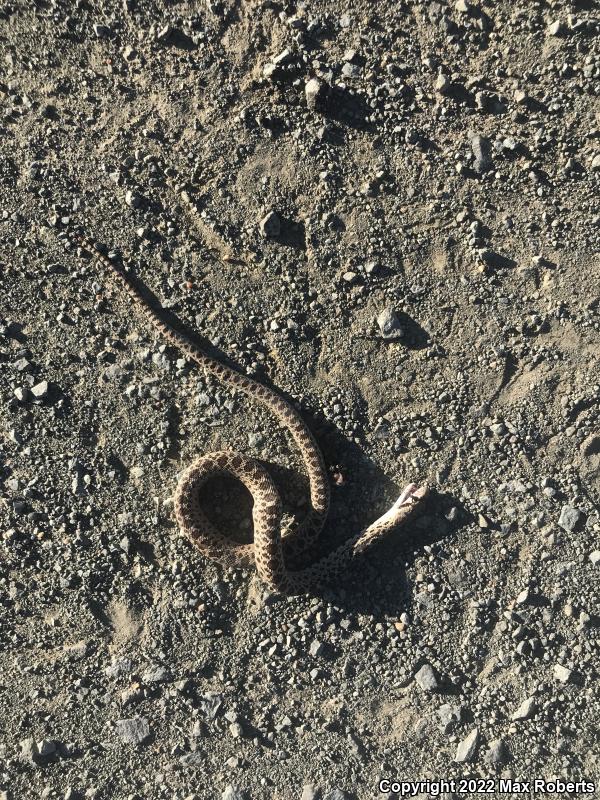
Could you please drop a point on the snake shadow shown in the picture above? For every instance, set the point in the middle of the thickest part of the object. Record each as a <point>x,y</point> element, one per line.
<point>376,583</point>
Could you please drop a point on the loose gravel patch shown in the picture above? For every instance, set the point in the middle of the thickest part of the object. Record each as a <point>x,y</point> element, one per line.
<point>390,214</point>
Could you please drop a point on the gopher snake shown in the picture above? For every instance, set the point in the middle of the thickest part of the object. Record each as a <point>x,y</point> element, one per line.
<point>277,550</point>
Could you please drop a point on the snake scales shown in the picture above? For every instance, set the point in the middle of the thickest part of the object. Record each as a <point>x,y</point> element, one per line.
<point>279,552</point>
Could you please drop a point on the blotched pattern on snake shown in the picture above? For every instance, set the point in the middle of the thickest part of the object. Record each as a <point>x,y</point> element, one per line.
<point>276,550</point>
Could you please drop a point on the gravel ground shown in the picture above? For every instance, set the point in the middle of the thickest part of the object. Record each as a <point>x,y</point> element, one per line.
<point>390,213</point>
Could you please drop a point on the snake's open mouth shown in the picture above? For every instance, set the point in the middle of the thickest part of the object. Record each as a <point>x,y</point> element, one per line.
<point>410,495</point>
<point>402,508</point>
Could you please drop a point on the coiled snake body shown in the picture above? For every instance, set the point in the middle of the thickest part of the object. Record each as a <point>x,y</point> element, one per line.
<point>280,553</point>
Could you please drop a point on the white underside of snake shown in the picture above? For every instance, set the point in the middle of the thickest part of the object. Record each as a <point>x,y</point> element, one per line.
<point>280,553</point>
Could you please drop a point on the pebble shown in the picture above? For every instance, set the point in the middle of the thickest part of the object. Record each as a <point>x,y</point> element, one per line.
<point>449,716</point>
<point>270,225</point>
<point>101,31</point>
<point>156,674</point>
<point>443,84</point>
<point>315,91</point>
<point>46,748</point>
<point>569,518</point>
<point>562,674</point>
<point>195,759</point>
<point>233,793</point>
<point>522,597</point>
<point>497,753</point>
<point>39,392</point>
<point>23,365</point>
<point>595,557</point>
<point>28,750</point>
<point>556,28</point>
<point>133,731</point>
<point>120,666</point>
<point>210,704</point>
<point>426,678</point>
<point>133,199</point>
<point>521,97</point>
<point>310,792</point>
<point>482,153</point>
<point>21,393</point>
<point>389,324</point>
<point>468,747</point>
<point>316,648</point>
<point>526,710</point>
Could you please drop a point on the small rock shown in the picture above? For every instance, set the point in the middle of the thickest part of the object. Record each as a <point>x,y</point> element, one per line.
<point>309,792</point>
<point>270,225</point>
<point>449,716</point>
<point>210,704</point>
<point>522,597</point>
<point>595,557</point>
<point>133,731</point>
<point>468,747</point>
<point>389,324</point>
<point>119,666</point>
<point>46,748</point>
<point>233,793</point>
<point>525,710</point>
<point>23,365</point>
<point>521,97</point>
<point>443,84</point>
<point>195,759</point>
<point>562,674</point>
<point>22,394</point>
<point>164,33</point>
<point>236,730</point>
<point>29,750</point>
<point>40,391</point>
<point>101,31</point>
<point>316,648</point>
<point>315,91</point>
<point>133,199</point>
<point>156,674</point>
<point>556,28</point>
<point>426,678</point>
<point>498,752</point>
<point>569,518</point>
<point>350,70</point>
<point>482,152</point>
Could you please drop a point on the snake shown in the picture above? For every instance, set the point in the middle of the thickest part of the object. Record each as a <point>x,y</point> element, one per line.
<point>282,551</point>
